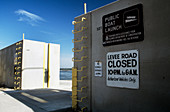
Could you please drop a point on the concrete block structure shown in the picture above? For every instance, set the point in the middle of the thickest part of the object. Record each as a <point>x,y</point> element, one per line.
<point>125,58</point>
<point>30,64</point>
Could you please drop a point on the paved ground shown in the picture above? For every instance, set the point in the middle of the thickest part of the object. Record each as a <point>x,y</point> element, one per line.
<point>38,100</point>
<point>65,85</point>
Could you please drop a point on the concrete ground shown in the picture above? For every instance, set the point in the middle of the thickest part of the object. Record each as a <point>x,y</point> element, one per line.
<point>37,100</point>
<point>65,85</point>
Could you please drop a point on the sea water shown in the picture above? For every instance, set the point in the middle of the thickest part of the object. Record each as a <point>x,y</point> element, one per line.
<point>65,74</point>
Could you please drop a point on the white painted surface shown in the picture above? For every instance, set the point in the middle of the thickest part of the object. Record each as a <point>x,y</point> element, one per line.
<point>98,68</point>
<point>54,65</point>
<point>32,64</point>
<point>65,85</point>
<point>122,69</point>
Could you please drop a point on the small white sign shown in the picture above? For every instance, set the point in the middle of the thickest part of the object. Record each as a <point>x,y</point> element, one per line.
<point>98,68</point>
<point>123,69</point>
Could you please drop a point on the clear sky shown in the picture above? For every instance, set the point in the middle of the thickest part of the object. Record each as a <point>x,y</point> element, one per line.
<point>43,20</point>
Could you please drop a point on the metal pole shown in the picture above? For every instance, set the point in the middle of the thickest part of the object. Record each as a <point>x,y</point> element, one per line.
<point>85,9</point>
<point>23,36</point>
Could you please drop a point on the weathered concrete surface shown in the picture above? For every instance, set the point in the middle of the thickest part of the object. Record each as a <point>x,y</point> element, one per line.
<point>86,82</point>
<point>153,94</point>
<point>38,100</point>
<point>7,66</point>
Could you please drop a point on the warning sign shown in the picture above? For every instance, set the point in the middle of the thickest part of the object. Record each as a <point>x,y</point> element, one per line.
<point>98,68</point>
<point>123,69</point>
<point>123,26</point>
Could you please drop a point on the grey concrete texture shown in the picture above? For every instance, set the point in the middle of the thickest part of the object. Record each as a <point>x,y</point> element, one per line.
<point>153,94</point>
<point>86,82</point>
<point>7,66</point>
<point>38,100</point>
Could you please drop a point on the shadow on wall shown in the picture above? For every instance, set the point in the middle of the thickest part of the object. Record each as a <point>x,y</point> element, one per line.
<point>42,100</point>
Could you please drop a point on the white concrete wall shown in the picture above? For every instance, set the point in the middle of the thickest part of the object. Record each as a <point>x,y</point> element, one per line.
<point>54,65</point>
<point>34,59</point>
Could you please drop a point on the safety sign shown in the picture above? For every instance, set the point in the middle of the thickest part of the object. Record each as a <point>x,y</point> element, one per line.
<point>123,69</point>
<point>98,68</point>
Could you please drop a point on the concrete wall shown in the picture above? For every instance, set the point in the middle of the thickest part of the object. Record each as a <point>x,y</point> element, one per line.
<point>35,55</point>
<point>153,94</point>
<point>86,82</point>
<point>7,66</point>
<point>54,65</point>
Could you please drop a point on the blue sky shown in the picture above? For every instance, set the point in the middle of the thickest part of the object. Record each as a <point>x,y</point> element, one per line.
<point>43,20</point>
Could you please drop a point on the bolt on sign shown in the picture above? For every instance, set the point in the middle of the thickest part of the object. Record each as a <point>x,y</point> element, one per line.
<point>123,26</point>
<point>123,69</point>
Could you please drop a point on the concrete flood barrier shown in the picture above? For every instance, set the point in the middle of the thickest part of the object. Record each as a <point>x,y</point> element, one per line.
<point>30,64</point>
<point>123,49</point>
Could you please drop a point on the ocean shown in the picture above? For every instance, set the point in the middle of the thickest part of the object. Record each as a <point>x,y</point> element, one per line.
<point>65,74</point>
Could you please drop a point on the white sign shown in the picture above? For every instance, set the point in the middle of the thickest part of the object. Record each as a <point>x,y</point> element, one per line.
<point>98,68</point>
<point>123,69</point>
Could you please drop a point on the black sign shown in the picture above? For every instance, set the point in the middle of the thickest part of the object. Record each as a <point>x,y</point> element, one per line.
<point>123,26</point>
